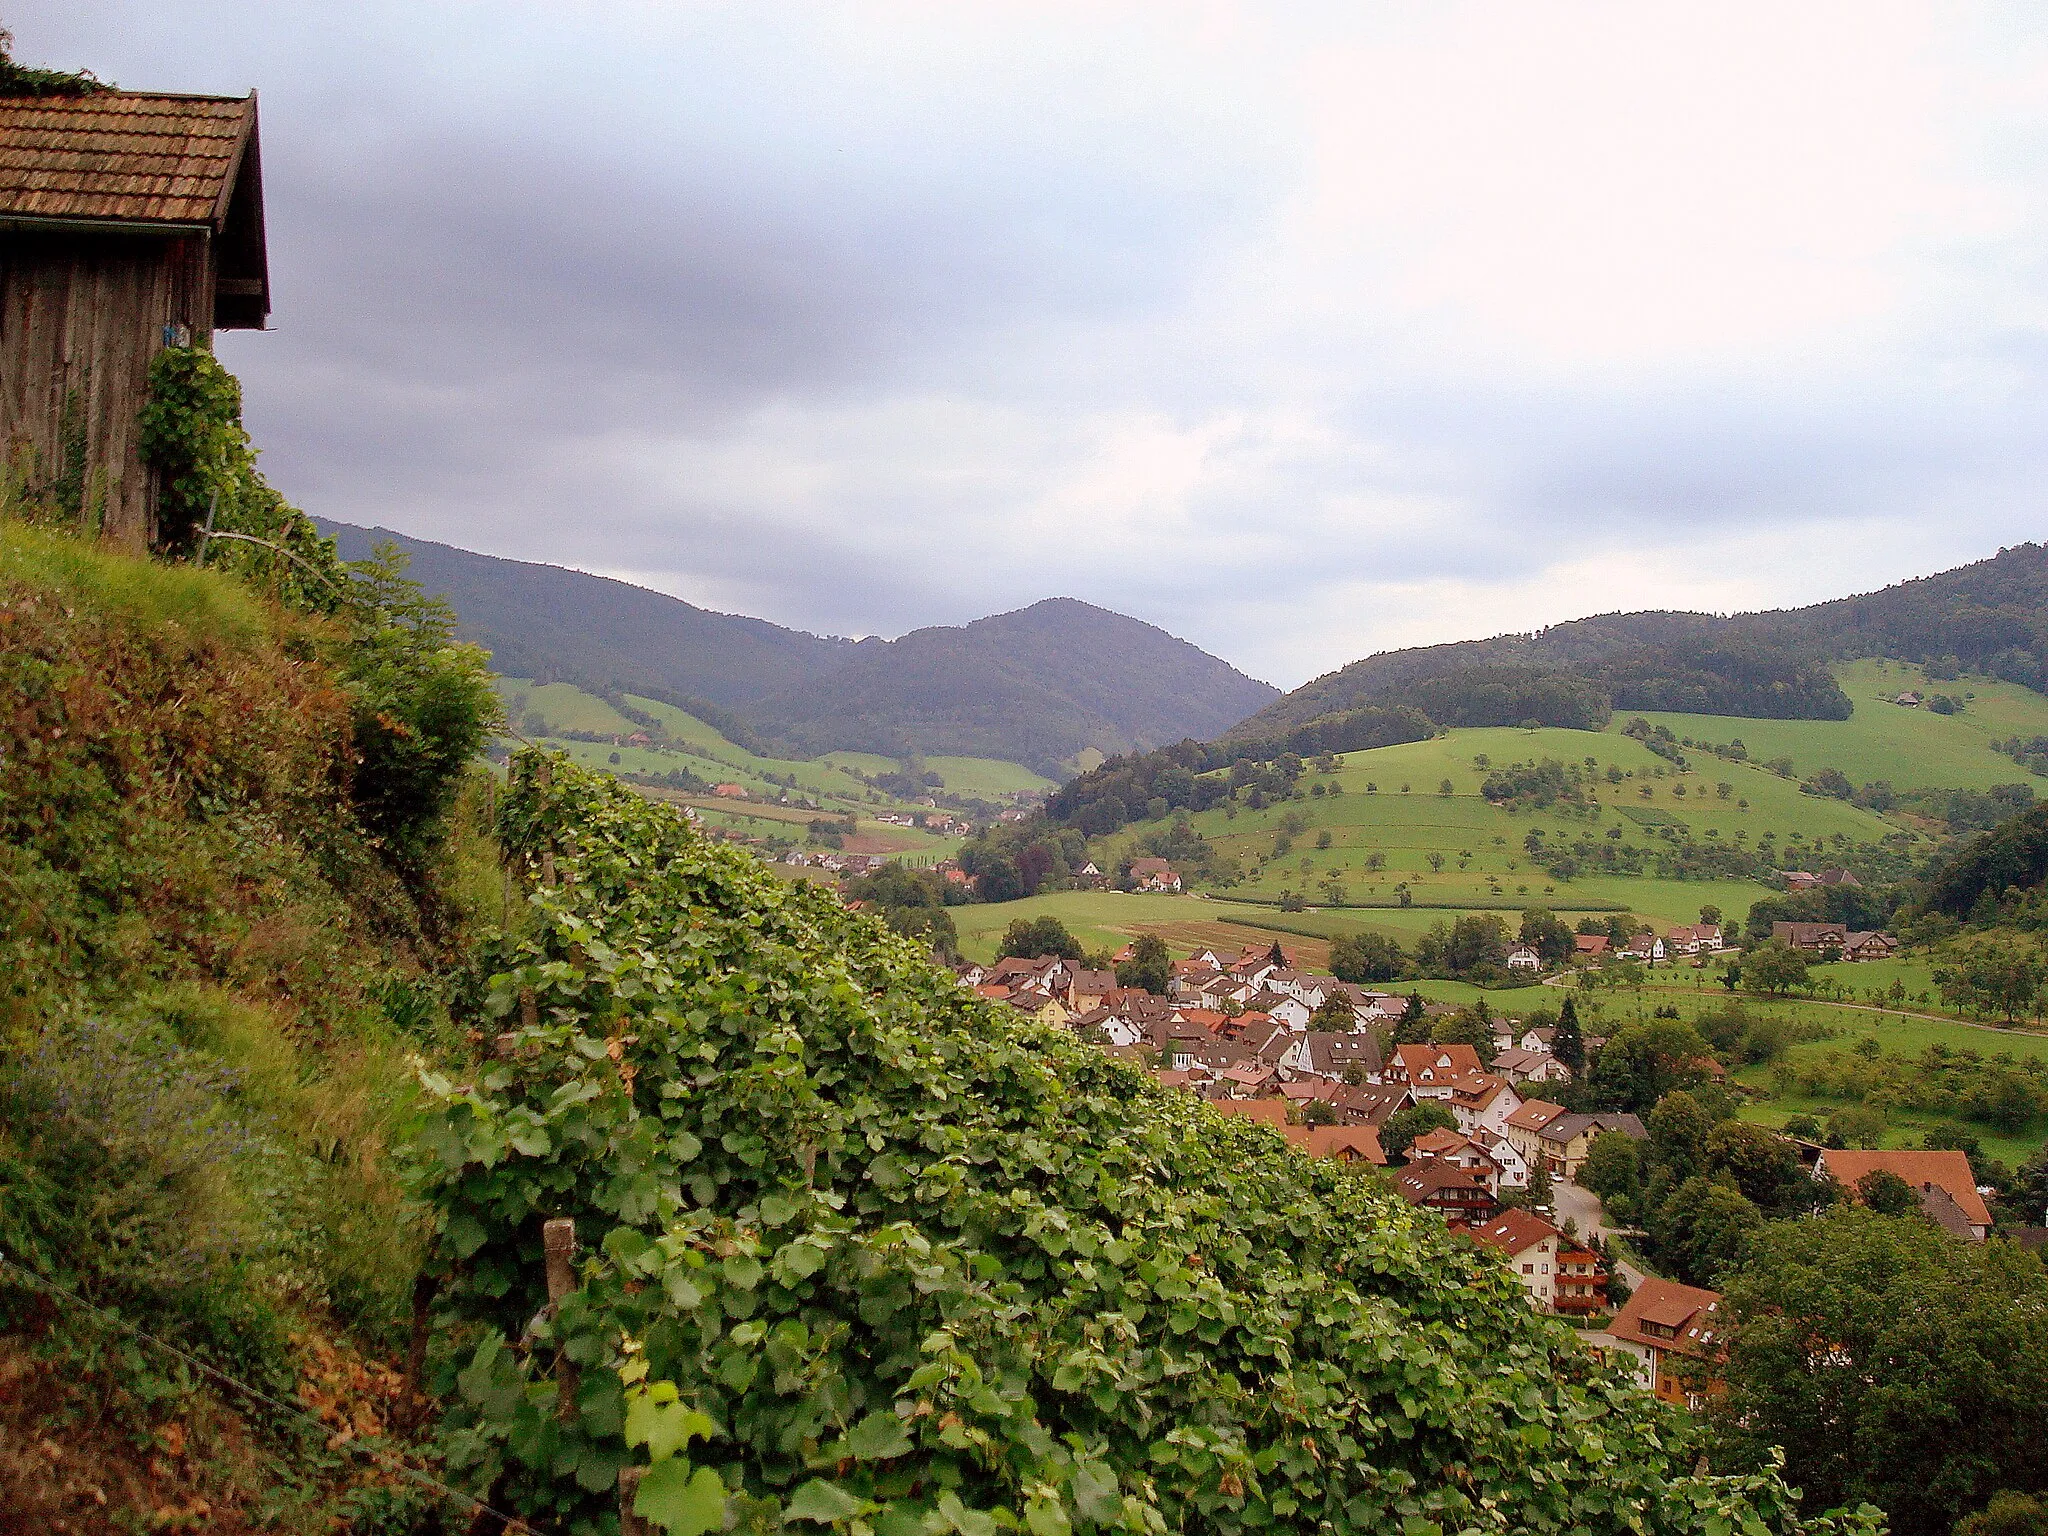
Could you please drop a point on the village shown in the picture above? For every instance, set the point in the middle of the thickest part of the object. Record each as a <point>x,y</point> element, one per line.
<point>1310,1057</point>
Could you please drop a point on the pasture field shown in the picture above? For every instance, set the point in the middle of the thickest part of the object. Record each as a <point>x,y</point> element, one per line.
<point>1912,748</point>
<point>718,758</point>
<point>1456,849</point>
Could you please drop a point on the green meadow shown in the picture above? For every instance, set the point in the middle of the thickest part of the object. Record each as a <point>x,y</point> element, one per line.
<point>1911,748</point>
<point>718,759</point>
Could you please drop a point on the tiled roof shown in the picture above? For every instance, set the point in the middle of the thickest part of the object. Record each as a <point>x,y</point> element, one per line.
<point>1693,1313</point>
<point>1944,1170</point>
<point>124,156</point>
<point>1513,1231</point>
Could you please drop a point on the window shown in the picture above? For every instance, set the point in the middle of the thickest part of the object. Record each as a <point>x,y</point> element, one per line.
<point>1528,1269</point>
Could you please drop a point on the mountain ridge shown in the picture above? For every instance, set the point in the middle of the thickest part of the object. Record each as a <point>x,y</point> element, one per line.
<point>1988,615</point>
<point>1038,685</point>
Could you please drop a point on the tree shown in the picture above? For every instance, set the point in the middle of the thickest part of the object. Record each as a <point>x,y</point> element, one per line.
<point>1710,915</point>
<point>1319,1112</point>
<point>1466,1027</point>
<point>1855,1126</point>
<point>1886,1193</point>
<point>1645,1061</point>
<point>2008,1514</point>
<point>1764,1165</point>
<point>1150,967</point>
<point>1701,1230</point>
<point>1403,1126</point>
<point>1363,957</point>
<point>1544,931</point>
<point>1679,1130</point>
<point>1412,1028</point>
<point>1613,1170</point>
<point>1541,1188</point>
<point>1567,1044</point>
<point>1028,938</point>
<point>1773,969</point>
<point>1893,1364</point>
<point>1994,973</point>
<point>1336,1015</point>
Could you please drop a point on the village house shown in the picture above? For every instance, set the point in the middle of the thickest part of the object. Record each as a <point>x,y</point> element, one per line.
<point>1813,938</point>
<point>1520,1065</point>
<point>1697,939</point>
<point>1525,960</point>
<point>1431,1071</point>
<point>134,222</point>
<point>1675,1336</point>
<point>1559,1273</point>
<point>1483,1102</point>
<point>729,791</point>
<point>1336,1057</point>
<point>1152,874</point>
<point>1946,1187</point>
<point>1589,946</point>
<point>1645,948</point>
<point>1459,1195</point>
<point>1551,1137</point>
<point>1087,989</point>
<point>1345,1143</point>
<point>1456,1147</point>
<point>1507,1157</point>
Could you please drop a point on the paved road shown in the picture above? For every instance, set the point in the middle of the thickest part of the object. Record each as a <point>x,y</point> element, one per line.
<point>1583,1207</point>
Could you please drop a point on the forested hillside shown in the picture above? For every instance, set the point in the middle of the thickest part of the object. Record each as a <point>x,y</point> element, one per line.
<point>1037,686</point>
<point>1990,617</point>
<point>610,637</point>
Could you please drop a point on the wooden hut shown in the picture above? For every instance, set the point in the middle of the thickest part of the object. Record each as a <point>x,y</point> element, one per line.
<point>129,221</point>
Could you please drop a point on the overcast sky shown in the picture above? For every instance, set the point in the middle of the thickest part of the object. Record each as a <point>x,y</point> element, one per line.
<point>1301,331</point>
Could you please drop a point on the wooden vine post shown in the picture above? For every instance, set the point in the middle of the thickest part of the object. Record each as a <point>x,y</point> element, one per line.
<point>631,1524</point>
<point>558,1242</point>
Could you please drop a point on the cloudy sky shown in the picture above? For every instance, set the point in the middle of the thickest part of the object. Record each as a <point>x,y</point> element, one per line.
<point>1303,331</point>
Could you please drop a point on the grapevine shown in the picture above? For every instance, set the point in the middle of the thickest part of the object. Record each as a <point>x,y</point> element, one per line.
<point>864,1251</point>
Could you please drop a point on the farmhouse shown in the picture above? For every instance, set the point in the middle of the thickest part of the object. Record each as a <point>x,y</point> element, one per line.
<point>1813,938</point>
<point>133,222</point>
<point>1150,874</point>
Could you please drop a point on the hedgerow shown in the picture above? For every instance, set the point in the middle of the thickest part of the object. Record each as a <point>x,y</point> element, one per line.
<point>861,1250</point>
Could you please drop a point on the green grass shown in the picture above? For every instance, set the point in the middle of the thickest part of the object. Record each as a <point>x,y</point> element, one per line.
<point>1482,845</point>
<point>205,604</point>
<point>718,759</point>
<point>1912,748</point>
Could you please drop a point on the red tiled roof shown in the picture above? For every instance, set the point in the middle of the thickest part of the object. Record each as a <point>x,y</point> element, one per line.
<point>1944,1170</point>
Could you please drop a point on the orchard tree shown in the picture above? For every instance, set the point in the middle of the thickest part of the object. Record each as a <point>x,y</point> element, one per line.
<point>1773,969</point>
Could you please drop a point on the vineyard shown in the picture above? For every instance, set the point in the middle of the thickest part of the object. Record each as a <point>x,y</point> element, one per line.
<point>861,1250</point>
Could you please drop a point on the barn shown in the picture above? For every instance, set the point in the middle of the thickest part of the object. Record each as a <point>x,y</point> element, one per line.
<point>130,221</point>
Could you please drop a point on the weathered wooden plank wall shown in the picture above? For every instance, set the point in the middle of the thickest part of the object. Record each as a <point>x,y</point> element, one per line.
<point>81,317</point>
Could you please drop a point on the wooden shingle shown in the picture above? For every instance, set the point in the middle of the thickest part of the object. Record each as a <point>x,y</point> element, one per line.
<point>129,157</point>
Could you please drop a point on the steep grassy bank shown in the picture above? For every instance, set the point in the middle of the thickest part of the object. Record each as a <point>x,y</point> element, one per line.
<point>238,868</point>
